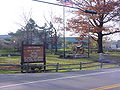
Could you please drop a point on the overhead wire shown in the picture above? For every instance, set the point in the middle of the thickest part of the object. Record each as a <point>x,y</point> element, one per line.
<point>86,11</point>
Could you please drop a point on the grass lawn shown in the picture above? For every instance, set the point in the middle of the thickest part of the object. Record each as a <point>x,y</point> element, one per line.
<point>54,59</point>
<point>10,60</point>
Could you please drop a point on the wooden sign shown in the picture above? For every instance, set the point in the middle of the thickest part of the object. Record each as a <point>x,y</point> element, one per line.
<point>33,54</point>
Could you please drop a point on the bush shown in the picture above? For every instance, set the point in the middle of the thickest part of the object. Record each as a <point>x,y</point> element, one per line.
<point>69,56</point>
<point>61,56</point>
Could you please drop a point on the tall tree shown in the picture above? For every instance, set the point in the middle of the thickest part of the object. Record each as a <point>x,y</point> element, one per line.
<point>31,33</point>
<point>105,22</point>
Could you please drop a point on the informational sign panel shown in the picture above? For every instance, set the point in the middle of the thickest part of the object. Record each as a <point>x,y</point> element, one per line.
<point>33,54</point>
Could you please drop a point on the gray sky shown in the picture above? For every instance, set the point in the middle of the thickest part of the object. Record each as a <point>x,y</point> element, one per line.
<point>13,12</point>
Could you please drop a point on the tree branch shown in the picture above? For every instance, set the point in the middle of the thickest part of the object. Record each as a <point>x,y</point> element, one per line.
<point>95,22</point>
<point>94,35</point>
<point>91,23</point>
<point>93,38</point>
<point>110,18</point>
<point>111,33</point>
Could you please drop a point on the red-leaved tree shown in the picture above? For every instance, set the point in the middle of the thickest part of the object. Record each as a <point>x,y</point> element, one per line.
<point>105,22</point>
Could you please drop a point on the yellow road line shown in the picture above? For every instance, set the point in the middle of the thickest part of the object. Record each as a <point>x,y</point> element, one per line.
<point>106,87</point>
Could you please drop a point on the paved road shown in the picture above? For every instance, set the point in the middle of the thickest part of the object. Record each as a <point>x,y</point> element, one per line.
<point>104,79</point>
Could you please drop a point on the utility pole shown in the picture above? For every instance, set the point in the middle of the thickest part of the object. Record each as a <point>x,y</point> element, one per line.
<point>64,32</point>
<point>86,11</point>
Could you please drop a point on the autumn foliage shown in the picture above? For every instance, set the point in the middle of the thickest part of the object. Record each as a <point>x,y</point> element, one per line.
<point>105,22</point>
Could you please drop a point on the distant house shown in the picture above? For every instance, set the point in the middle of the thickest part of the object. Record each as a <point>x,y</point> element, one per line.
<point>112,45</point>
<point>118,44</point>
<point>115,45</point>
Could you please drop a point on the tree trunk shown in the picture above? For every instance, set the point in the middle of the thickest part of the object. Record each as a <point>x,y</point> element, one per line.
<point>99,41</point>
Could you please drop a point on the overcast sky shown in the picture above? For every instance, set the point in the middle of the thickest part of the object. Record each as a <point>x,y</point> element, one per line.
<point>12,13</point>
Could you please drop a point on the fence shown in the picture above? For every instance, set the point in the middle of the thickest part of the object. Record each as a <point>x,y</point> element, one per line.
<point>55,68</point>
<point>10,53</point>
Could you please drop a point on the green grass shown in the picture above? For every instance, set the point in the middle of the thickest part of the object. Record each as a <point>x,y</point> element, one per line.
<point>10,60</point>
<point>54,59</point>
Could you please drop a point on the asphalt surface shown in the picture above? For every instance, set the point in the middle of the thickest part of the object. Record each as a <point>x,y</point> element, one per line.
<point>103,79</point>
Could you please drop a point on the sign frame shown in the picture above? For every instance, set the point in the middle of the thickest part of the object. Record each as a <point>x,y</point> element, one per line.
<point>33,48</point>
